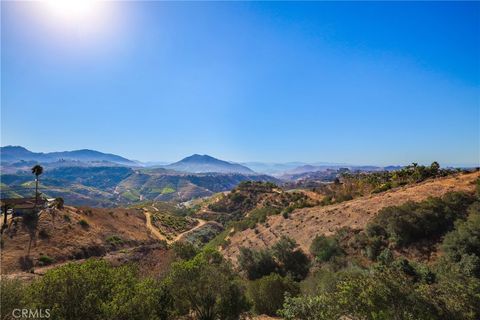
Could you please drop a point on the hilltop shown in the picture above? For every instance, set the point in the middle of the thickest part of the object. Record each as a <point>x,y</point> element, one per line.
<point>204,163</point>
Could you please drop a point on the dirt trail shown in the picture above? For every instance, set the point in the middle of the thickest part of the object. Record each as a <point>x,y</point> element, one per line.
<point>200,223</point>
<point>151,228</point>
<point>159,235</point>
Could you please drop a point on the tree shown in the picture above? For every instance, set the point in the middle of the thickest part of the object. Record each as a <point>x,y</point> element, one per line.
<point>268,293</point>
<point>207,287</point>
<point>383,294</point>
<point>434,168</point>
<point>291,259</point>
<point>185,250</point>
<point>13,292</point>
<point>256,264</point>
<point>95,290</point>
<point>324,248</point>
<point>37,170</point>
<point>462,245</point>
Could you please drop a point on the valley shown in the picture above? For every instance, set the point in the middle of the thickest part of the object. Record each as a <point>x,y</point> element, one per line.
<point>277,242</point>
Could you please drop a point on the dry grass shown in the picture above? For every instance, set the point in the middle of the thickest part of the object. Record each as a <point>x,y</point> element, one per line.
<point>67,239</point>
<point>304,224</point>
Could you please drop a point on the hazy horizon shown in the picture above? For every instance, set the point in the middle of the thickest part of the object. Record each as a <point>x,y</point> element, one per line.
<point>378,83</point>
<point>253,161</point>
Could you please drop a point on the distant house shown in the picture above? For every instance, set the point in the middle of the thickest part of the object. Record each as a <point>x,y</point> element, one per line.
<point>21,206</point>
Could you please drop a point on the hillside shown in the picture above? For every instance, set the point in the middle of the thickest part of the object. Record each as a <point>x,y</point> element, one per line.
<point>165,185</point>
<point>73,234</point>
<point>205,163</point>
<point>304,224</point>
<point>110,186</point>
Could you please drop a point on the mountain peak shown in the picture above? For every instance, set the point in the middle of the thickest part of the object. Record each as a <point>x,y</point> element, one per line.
<point>199,157</point>
<point>197,163</point>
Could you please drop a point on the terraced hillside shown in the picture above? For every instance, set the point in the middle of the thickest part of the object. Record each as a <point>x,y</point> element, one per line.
<point>304,224</point>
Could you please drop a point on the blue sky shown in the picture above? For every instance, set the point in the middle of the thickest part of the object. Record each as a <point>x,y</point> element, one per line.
<point>364,83</point>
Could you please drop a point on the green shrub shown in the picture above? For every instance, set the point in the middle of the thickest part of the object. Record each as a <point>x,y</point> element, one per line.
<point>462,245</point>
<point>256,263</point>
<point>94,290</point>
<point>45,260</point>
<point>12,297</point>
<point>324,248</point>
<point>207,287</point>
<point>284,258</point>
<point>267,294</point>
<point>385,294</point>
<point>408,223</point>
<point>114,240</point>
<point>185,250</point>
<point>291,259</point>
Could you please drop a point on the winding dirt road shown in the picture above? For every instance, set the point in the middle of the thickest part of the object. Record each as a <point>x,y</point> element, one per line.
<point>159,235</point>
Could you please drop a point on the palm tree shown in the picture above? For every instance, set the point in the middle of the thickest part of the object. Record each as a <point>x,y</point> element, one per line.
<point>37,171</point>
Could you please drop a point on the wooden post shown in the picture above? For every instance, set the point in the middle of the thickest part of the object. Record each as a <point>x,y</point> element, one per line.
<point>5,212</point>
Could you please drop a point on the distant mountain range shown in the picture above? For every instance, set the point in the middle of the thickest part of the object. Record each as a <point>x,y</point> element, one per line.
<point>204,163</point>
<point>16,158</point>
<point>18,153</point>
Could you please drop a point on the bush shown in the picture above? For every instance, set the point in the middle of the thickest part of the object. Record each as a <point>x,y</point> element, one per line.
<point>324,248</point>
<point>291,259</point>
<point>462,245</point>
<point>185,250</point>
<point>114,240</point>
<point>256,264</point>
<point>43,234</point>
<point>408,223</point>
<point>207,287</point>
<point>284,258</point>
<point>84,223</point>
<point>385,294</point>
<point>267,294</point>
<point>95,290</point>
<point>45,260</point>
<point>12,297</point>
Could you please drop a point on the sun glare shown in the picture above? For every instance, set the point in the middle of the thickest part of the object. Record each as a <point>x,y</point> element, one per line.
<point>81,22</point>
<point>74,10</point>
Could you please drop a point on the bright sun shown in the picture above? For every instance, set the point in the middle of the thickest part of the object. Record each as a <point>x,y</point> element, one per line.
<point>82,20</point>
<point>74,10</point>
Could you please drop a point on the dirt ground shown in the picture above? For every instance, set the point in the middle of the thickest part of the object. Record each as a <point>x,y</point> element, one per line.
<point>62,236</point>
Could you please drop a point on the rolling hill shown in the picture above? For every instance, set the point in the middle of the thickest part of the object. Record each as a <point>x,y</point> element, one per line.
<point>107,186</point>
<point>304,224</point>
